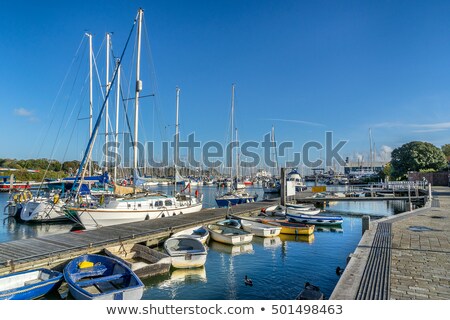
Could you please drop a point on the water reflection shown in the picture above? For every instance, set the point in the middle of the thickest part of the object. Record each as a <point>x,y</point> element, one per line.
<point>231,250</point>
<point>297,238</point>
<point>13,230</point>
<point>273,242</point>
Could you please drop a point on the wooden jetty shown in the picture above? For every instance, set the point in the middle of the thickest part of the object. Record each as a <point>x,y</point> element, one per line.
<point>55,250</point>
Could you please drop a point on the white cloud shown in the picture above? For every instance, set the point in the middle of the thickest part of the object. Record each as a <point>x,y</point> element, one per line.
<point>385,152</point>
<point>22,112</point>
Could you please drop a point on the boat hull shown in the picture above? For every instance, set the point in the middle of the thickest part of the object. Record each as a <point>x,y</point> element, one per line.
<point>292,227</point>
<point>106,279</point>
<point>186,252</point>
<point>94,218</point>
<point>261,230</point>
<point>235,201</point>
<point>199,232</point>
<point>316,220</point>
<point>29,285</point>
<point>229,235</point>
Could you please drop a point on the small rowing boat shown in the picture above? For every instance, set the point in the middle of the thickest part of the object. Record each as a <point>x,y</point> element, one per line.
<point>288,227</point>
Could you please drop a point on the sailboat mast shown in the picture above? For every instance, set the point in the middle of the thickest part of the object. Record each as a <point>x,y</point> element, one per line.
<point>274,151</point>
<point>177,136</point>
<point>116,133</point>
<point>237,162</point>
<point>371,151</point>
<point>138,89</point>
<point>90,96</point>
<point>108,42</point>
<point>232,130</point>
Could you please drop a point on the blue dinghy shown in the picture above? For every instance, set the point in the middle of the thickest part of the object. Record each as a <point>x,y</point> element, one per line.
<point>31,284</point>
<point>92,277</point>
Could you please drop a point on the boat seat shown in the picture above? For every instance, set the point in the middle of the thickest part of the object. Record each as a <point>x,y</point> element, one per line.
<point>33,281</point>
<point>90,282</point>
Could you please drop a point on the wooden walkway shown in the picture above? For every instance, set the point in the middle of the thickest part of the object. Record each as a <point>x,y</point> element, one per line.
<point>56,250</point>
<point>406,256</point>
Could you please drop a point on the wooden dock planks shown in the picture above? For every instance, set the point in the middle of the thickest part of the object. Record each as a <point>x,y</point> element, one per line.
<point>21,254</point>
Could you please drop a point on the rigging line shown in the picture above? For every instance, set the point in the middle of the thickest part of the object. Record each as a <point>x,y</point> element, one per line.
<point>56,143</point>
<point>70,138</point>
<point>159,114</point>
<point>86,156</point>
<point>57,95</point>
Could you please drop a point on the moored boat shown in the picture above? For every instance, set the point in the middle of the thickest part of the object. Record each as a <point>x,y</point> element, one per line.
<point>260,229</point>
<point>315,219</point>
<point>229,235</point>
<point>197,232</point>
<point>186,252</point>
<point>30,284</point>
<point>143,261</point>
<point>233,223</point>
<point>288,227</point>
<point>236,197</point>
<point>96,277</point>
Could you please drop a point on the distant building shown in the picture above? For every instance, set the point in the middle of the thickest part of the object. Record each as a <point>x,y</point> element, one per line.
<point>361,169</point>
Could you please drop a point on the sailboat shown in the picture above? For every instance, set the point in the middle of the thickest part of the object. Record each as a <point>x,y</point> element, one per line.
<point>273,184</point>
<point>237,194</point>
<point>137,206</point>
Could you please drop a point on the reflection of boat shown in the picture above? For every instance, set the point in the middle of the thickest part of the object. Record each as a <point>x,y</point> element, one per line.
<point>337,229</point>
<point>31,284</point>
<point>260,229</point>
<point>288,227</point>
<point>197,232</point>
<point>233,250</point>
<point>186,252</point>
<point>272,242</point>
<point>315,219</point>
<point>297,238</point>
<point>188,275</point>
<point>144,261</point>
<point>93,276</point>
<point>229,235</point>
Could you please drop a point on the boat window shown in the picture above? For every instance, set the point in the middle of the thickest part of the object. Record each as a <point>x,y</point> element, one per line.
<point>158,203</point>
<point>129,205</point>
<point>168,203</point>
<point>139,205</point>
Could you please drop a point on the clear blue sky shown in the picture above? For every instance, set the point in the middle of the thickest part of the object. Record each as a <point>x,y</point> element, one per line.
<point>304,66</point>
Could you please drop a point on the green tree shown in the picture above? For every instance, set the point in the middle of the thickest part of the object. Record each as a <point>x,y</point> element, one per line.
<point>416,156</point>
<point>446,149</point>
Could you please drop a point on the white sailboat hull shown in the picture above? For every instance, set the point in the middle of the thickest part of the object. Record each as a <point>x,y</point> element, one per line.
<point>42,211</point>
<point>102,217</point>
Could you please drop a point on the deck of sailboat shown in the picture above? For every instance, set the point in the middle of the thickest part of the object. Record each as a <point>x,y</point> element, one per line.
<point>54,250</point>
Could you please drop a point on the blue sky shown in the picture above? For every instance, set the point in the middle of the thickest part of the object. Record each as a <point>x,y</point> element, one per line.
<point>305,67</point>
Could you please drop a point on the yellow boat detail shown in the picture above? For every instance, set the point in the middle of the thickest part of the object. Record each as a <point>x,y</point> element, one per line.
<point>288,227</point>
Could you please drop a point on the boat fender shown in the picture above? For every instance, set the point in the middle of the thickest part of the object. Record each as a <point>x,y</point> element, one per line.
<point>85,264</point>
<point>55,199</point>
<point>148,218</point>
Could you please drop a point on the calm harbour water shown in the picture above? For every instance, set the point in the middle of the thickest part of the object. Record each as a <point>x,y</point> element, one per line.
<point>279,267</point>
